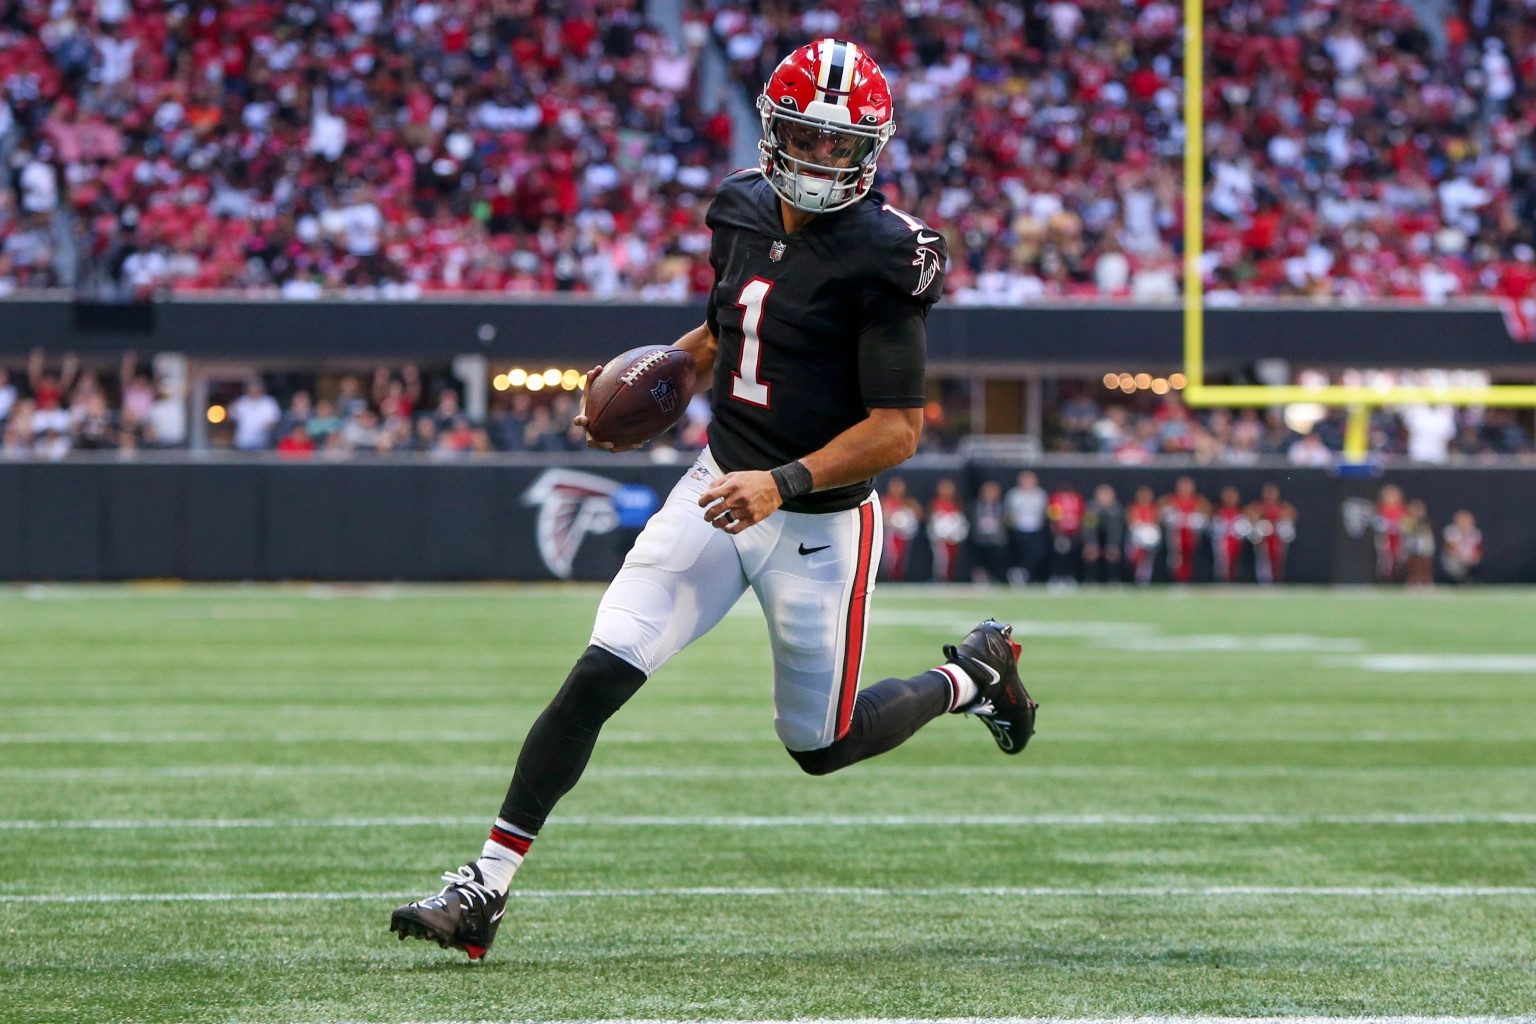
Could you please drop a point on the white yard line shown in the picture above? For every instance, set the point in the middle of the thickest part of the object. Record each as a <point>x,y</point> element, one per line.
<point>838,892</point>
<point>1238,643</point>
<point>705,735</point>
<point>785,821</point>
<point>265,771</point>
<point>1516,664</point>
<point>1172,1019</point>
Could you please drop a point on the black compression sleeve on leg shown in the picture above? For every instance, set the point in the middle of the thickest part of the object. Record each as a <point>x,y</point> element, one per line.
<point>560,742</point>
<point>884,716</point>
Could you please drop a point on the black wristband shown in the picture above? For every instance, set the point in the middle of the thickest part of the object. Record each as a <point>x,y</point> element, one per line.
<point>793,480</point>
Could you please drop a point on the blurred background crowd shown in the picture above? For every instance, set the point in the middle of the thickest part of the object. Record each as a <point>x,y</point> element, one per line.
<point>1362,149</point>
<point>53,405</point>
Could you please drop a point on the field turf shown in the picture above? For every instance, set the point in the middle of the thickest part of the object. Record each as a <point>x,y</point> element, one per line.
<point>1286,803</point>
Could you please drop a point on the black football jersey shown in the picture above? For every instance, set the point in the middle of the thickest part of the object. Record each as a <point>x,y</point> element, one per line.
<point>815,328</point>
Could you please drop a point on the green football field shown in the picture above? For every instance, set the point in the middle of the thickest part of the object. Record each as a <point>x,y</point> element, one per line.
<point>1286,803</point>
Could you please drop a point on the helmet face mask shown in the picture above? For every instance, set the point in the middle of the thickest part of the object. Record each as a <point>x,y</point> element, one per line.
<point>814,153</point>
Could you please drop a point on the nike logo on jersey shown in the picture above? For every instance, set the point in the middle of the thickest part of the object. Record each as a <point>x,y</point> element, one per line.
<point>811,551</point>
<point>925,239</point>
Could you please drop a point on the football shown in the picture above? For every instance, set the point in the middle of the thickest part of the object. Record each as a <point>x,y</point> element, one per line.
<point>639,394</point>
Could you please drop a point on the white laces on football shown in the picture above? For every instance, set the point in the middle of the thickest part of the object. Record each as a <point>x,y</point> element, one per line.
<point>463,880</point>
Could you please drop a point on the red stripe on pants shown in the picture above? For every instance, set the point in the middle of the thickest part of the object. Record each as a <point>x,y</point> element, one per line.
<point>853,640</point>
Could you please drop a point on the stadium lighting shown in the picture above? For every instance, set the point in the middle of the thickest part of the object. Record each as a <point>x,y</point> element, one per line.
<point>1143,380</point>
<point>500,382</point>
<point>1127,382</point>
<point>1303,416</point>
<point>535,383</point>
<point>552,377</point>
<point>570,380</point>
<point>1178,381</point>
<point>517,378</point>
<point>1159,385</point>
<point>216,414</point>
<point>1111,380</point>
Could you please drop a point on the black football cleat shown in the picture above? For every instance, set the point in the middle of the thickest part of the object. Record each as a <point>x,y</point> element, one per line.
<point>990,657</point>
<point>464,915</point>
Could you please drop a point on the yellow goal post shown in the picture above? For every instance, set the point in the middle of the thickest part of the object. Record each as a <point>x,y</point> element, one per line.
<point>1358,399</point>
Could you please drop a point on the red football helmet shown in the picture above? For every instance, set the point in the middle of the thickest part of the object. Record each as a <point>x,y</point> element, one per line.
<point>826,117</point>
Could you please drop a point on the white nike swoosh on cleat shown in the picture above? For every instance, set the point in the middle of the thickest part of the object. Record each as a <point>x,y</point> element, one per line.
<point>497,916</point>
<point>990,670</point>
<point>922,240</point>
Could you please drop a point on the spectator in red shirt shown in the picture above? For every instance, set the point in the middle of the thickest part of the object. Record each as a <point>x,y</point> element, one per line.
<point>1065,513</point>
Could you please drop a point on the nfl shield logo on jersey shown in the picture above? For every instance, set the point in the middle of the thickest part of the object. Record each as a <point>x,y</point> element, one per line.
<point>665,393</point>
<point>776,251</point>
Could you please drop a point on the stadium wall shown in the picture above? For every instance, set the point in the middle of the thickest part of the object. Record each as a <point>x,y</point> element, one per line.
<point>1103,336</point>
<point>505,519</point>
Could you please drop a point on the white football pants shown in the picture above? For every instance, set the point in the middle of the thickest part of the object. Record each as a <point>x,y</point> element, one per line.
<point>813,575</point>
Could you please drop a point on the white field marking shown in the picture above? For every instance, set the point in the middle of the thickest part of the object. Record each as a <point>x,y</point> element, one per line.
<point>1046,1020</point>
<point>294,711</point>
<point>38,738</point>
<point>1523,664</point>
<point>266,771</point>
<point>865,892</point>
<point>219,610</point>
<point>1253,643</point>
<point>181,590</point>
<point>962,624</point>
<point>1042,1020</point>
<point>765,736</point>
<point>781,821</point>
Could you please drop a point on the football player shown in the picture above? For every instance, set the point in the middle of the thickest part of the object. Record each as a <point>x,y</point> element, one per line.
<point>814,340</point>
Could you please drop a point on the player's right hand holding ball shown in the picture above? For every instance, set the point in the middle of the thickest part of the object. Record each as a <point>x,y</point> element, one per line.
<point>580,418</point>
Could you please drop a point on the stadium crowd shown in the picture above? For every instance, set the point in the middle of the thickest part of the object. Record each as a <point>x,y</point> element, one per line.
<point>311,146</point>
<point>51,407</point>
<point>298,148</point>
<point>1352,151</point>
<point>1137,430</point>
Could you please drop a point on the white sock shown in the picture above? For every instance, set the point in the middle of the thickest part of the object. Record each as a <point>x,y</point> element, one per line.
<point>502,855</point>
<point>961,683</point>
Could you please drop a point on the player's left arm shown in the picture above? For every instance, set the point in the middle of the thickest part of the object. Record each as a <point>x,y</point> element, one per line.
<point>884,440</point>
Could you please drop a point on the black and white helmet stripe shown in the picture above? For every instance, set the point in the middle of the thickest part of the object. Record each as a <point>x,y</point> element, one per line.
<point>835,79</point>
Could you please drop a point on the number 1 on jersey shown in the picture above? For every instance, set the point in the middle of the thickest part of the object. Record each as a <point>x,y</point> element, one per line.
<point>744,383</point>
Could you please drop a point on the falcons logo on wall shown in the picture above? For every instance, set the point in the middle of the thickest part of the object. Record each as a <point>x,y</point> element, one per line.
<point>571,505</point>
